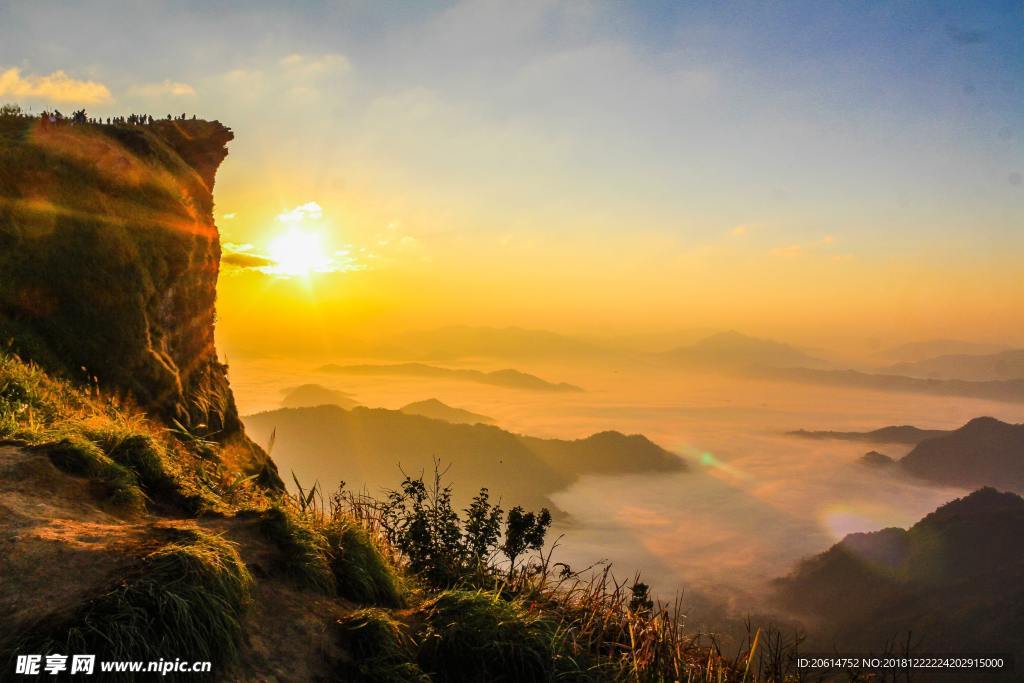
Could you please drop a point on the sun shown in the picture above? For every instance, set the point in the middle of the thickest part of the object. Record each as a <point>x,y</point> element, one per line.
<point>298,253</point>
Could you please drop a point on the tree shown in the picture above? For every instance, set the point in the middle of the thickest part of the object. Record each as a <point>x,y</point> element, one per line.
<point>524,531</point>
<point>482,528</point>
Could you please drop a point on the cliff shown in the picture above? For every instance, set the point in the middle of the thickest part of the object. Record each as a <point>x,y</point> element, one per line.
<point>109,258</point>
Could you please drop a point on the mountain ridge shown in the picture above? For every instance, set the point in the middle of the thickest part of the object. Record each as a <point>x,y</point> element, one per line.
<point>508,378</point>
<point>367,445</point>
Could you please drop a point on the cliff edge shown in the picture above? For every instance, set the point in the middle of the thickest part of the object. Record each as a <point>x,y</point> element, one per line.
<point>109,258</point>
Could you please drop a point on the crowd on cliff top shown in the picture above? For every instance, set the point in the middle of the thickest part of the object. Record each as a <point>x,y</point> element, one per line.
<point>80,116</point>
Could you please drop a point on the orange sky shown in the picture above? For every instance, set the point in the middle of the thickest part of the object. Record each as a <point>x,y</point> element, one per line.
<point>822,174</point>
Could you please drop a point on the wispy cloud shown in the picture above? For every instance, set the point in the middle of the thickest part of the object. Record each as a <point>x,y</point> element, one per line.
<point>54,87</point>
<point>164,89</point>
<point>303,212</point>
<point>243,260</point>
<point>315,65</point>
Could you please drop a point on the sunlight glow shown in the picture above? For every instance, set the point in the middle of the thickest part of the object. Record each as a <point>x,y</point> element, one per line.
<point>298,253</point>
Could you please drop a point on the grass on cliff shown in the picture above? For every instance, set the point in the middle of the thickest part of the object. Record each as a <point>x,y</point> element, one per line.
<point>303,547</point>
<point>361,572</point>
<point>380,647</point>
<point>136,462</point>
<point>186,600</point>
<point>478,636</point>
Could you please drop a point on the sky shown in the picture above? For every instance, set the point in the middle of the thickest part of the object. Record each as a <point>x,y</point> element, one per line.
<point>819,172</point>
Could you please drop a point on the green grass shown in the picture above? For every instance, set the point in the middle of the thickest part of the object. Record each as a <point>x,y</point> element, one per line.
<point>91,436</point>
<point>304,550</point>
<point>360,571</point>
<point>478,636</point>
<point>78,455</point>
<point>186,601</point>
<point>380,649</point>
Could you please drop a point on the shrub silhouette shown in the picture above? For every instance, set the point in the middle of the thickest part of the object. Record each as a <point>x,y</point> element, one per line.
<point>444,548</point>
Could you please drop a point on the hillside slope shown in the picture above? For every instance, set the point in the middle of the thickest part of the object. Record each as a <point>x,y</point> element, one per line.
<point>952,579</point>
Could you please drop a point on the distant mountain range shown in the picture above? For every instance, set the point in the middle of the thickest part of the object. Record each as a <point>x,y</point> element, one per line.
<point>308,395</point>
<point>953,581</point>
<point>733,350</point>
<point>462,341</point>
<point>436,410</point>
<point>511,379</point>
<point>1005,365</point>
<point>984,452</point>
<point>931,348</point>
<point>1003,390</point>
<point>898,434</point>
<point>366,446</point>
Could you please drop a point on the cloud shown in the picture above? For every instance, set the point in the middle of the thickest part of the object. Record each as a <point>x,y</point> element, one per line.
<point>315,65</point>
<point>55,87</point>
<point>165,89</point>
<point>303,212</point>
<point>243,260</point>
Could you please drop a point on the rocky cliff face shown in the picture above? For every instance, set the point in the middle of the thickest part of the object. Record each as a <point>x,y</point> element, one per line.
<point>109,259</point>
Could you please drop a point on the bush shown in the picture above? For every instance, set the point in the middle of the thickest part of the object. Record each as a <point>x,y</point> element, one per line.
<point>477,636</point>
<point>360,571</point>
<point>446,549</point>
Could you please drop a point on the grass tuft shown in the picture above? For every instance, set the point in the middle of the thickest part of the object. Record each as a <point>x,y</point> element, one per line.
<point>478,636</point>
<point>78,455</point>
<point>186,601</point>
<point>360,571</point>
<point>304,550</point>
<point>380,648</point>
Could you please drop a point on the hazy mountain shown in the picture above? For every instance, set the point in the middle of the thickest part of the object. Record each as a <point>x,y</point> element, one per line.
<point>876,459</point>
<point>365,446</point>
<point>937,347</point>
<point>436,410</point>
<point>900,434</point>
<point>952,579</point>
<point>512,379</point>
<point>738,351</point>
<point>984,452</point>
<point>308,395</point>
<point>1011,390</point>
<point>461,341</point>
<point>994,366</point>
